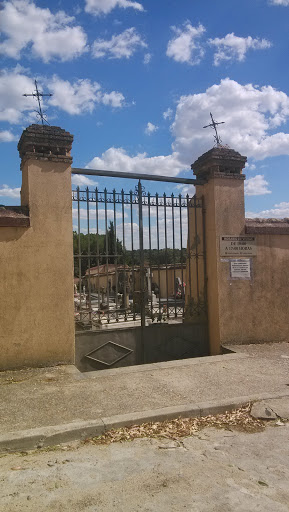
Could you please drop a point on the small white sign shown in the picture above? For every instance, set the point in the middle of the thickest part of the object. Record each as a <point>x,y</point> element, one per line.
<point>238,245</point>
<point>240,269</point>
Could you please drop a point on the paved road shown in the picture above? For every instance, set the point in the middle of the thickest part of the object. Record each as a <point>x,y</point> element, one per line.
<point>213,471</point>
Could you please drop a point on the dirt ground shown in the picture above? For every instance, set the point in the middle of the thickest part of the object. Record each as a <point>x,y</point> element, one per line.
<point>210,471</point>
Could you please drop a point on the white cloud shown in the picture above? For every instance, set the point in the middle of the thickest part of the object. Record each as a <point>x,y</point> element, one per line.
<point>250,166</point>
<point>151,236</point>
<point>82,181</point>
<point>280,210</point>
<point>185,47</point>
<point>81,96</point>
<point>120,46</point>
<point>232,47</point>
<point>250,114</point>
<point>279,2</point>
<point>24,25</point>
<point>73,97</point>
<point>185,190</point>
<point>168,113</point>
<point>151,128</point>
<point>6,191</point>
<point>98,7</point>
<point>7,136</point>
<point>117,159</point>
<point>101,213</point>
<point>13,84</point>
<point>147,58</point>
<point>257,186</point>
<point>113,99</point>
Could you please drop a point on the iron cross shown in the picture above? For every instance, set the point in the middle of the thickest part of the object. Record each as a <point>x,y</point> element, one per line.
<point>39,95</point>
<point>214,125</point>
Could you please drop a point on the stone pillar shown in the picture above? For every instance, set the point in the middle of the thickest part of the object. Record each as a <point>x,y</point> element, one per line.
<point>223,198</point>
<point>37,310</point>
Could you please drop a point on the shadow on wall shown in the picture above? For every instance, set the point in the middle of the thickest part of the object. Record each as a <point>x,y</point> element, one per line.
<point>116,348</point>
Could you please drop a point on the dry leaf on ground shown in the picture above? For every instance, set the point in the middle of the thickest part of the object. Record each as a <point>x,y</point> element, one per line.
<point>239,419</point>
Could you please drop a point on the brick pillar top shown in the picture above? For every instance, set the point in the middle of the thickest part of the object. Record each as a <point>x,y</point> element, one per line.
<point>220,162</point>
<point>50,143</point>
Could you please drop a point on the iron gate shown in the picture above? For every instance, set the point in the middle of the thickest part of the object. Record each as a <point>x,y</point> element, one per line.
<point>140,274</point>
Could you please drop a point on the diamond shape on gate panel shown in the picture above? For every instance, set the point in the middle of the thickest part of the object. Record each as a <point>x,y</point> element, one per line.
<point>109,357</point>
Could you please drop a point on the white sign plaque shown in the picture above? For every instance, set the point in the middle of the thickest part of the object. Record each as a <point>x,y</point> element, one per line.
<point>237,246</point>
<point>240,269</point>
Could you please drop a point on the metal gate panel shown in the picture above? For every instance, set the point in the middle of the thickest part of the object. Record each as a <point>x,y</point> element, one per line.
<point>139,262</point>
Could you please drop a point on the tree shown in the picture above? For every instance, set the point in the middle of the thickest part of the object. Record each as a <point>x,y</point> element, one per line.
<point>114,245</point>
<point>94,247</point>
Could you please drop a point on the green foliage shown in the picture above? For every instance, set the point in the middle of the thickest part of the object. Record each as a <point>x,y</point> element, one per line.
<point>95,244</point>
<point>114,245</point>
<point>108,245</point>
<point>155,257</point>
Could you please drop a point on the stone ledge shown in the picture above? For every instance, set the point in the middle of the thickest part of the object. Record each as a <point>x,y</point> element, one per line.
<point>46,157</point>
<point>226,175</point>
<point>267,226</point>
<point>14,216</point>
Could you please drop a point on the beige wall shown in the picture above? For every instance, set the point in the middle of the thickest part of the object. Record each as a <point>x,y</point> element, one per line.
<point>258,311</point>
<point>225,214</point>
<point>36,272</point>
<point>167,280</point>
<point>101,280</point>
<point>241,311</point>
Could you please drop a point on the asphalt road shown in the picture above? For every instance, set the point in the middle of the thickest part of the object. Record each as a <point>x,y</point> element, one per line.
<point>212,471</point>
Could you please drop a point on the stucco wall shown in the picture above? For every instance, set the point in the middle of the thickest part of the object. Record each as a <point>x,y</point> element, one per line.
<point>241,311</point>
<point>257,311</point>
<point>36,272</point>
<point>101,280</point>
<point>223,199</point>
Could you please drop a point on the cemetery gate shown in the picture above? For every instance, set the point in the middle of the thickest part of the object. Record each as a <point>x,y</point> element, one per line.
<point>139,273</point>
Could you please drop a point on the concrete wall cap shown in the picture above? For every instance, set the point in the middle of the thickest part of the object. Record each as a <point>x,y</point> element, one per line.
<point>267,226</point>
<point>14,216</point>
<point>45,142</point>
<point>220,159</point>
<point>219,153</point>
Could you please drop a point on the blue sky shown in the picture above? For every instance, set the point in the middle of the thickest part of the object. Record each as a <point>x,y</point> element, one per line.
<point>134,82</point>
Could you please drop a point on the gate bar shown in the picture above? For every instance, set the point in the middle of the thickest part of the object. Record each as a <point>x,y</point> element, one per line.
<point>135,176</point>
<point>142,270</point>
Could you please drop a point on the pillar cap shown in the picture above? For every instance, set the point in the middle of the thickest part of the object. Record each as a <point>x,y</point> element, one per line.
<point>41,142</point>
<point>219,161</point>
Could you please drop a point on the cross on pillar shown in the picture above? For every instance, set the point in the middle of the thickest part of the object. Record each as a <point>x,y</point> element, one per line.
<point>39,95</point>
<point>214,125</point>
